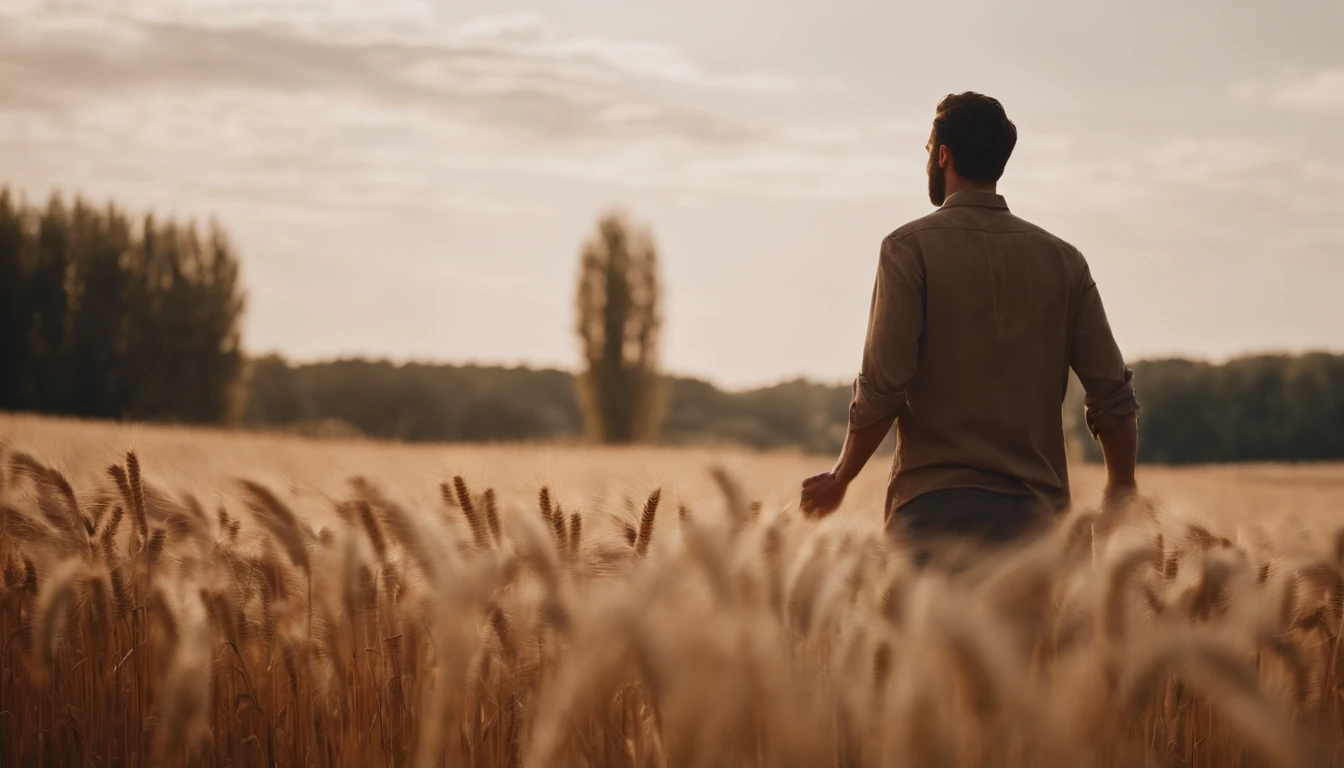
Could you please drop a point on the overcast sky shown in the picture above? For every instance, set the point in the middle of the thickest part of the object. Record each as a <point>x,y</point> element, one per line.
<point>413,179</point>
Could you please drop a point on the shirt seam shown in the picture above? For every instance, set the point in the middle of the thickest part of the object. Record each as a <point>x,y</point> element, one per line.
<point>899,238</point>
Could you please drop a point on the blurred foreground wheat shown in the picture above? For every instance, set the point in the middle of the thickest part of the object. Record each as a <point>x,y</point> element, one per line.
<point>140,628</point>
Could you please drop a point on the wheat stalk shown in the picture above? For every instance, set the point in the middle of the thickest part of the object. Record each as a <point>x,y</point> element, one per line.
<point>646,522</point>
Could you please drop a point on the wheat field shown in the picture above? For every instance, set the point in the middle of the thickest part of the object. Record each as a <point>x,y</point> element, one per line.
<point>192,597</point>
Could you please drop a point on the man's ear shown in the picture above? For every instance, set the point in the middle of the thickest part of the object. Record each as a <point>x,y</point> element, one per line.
<point>944,156</point>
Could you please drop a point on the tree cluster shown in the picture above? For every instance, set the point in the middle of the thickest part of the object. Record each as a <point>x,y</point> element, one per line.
<point>1260,408</point>
<point>107,316</point>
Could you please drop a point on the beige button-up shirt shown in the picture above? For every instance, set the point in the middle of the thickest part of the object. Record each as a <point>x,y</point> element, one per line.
<point>976,318</point>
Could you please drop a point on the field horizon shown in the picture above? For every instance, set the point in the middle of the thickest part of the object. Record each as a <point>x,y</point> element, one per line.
<point>542,462</point>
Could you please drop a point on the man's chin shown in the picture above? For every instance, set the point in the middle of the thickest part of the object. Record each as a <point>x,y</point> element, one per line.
<point>937,196</point>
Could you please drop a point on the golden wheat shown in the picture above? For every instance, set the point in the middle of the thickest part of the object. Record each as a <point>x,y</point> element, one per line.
<point>364,626</point>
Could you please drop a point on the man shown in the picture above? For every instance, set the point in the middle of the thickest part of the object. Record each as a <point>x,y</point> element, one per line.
<point>976,318</point>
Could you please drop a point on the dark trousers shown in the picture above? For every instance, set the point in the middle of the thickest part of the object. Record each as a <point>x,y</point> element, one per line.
<point>961,520</point>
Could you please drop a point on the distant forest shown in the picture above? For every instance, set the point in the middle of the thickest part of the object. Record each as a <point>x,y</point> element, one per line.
<point>417,402</point>
<point>1262,408</point>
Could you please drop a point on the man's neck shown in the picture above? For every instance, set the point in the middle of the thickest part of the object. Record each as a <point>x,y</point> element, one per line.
<point>961,185</point>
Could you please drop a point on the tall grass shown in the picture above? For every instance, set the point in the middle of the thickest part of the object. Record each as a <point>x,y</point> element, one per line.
<point>138,629</point>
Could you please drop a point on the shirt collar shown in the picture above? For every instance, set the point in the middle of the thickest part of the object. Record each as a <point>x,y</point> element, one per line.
<point>976,198</point>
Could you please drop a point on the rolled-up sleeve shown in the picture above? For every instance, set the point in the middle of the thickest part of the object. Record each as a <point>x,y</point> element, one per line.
<point>1108,383</point>
<point>891,349</point>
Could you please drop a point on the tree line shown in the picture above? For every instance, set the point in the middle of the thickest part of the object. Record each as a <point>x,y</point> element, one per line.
<point>108,315</point>
<point>1261,408</point>
<point>418,402</point>
<point>1254,408</point>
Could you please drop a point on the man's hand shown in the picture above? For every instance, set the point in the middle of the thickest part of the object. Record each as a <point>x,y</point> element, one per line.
<point>822,494</point>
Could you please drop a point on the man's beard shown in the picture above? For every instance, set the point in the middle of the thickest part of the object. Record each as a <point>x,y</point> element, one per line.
<point>937,180</point>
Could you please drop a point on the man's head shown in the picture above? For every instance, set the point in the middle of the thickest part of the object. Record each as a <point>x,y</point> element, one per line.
<point>971,141</point>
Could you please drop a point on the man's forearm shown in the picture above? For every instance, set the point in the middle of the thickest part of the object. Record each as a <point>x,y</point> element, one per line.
<point>860,445</point>
<point>1120,448</point>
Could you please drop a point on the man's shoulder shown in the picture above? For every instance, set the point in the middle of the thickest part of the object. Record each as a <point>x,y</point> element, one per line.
<point>950,219</point>
<point>1024,227</point>
<point>935,220</point>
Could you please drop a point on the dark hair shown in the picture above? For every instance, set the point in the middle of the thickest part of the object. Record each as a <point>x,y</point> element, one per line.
<point>979,134</point>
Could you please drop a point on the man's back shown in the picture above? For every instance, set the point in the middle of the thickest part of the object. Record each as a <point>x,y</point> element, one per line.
<point>976,318</point>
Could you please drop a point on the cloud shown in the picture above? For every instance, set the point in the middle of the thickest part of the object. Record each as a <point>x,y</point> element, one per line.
<point>534,93</point>
<point>393,107</point>
<point>1321,91</point>
<point>333,104</point>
